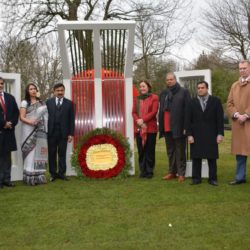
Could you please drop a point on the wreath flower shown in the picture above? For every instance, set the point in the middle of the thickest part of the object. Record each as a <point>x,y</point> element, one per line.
<point>102,153</point>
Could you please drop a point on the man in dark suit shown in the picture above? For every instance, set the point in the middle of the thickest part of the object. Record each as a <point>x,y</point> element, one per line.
<point>61,124</point>
<point>9,114</point>
<point>173,104</point>
<point>205,130</point>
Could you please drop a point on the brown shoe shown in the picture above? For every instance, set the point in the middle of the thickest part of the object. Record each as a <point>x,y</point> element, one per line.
<point>181,178</point>
<point>169,177</point>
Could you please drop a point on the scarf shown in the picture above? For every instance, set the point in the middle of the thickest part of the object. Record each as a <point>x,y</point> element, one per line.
<point>142,110</point>
<point>170,92</point>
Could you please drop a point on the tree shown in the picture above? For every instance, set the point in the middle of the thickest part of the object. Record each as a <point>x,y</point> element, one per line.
<point>157,20</point>
<point>154,33</point>
<point>33,63</point>
<point>224,72</point>
<point>158,68</point>
<point>229,24</point>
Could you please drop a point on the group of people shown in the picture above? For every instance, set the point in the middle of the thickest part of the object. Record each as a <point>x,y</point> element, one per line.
<point>47,127</point>
<point>198,121</point>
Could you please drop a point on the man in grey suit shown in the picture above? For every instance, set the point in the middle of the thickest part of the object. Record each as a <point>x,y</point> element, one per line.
<point>61,124</point>
<point>9,114</point>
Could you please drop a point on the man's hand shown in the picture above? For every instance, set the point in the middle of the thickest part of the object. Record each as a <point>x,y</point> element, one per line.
<point>190,139</point>
<point>70,138</point>
<point>242,118</point>
<point>219,139</point>
<point>8,125</point>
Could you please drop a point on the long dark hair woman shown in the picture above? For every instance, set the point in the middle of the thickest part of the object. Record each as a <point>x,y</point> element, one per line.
<point>34,114</point>
<point>144,113</point>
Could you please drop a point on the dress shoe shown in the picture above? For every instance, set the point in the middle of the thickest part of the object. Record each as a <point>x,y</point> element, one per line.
<point>195,183</point>
<point>213,183</point>
<point>9,184</point>
<point>181,179</point>
<point>235,182</point>
<point>169,177</point>
<point>63,177</point>
<point>52,179</point>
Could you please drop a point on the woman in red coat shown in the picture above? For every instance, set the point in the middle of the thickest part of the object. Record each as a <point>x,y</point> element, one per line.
<point>144,113</point>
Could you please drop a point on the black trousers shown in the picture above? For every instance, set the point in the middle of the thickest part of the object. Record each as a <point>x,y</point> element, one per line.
<point>146,154</point>
<point>5,168</point>
<point>196,170</point>
<point>176,151</point>
<point>57,147</point>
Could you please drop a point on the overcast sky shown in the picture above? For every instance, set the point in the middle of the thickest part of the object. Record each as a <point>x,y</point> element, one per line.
<point>194,47</point>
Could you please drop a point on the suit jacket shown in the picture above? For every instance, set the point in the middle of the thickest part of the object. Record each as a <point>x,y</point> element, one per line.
<point>7,136</point>
<point>204,127</point>
<point>67,120</point>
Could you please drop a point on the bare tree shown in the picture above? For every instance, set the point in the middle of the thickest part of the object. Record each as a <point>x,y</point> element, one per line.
<point>37,18</point>
<point>229,25</point>
<point>34,62</point>
<point>156,34</point>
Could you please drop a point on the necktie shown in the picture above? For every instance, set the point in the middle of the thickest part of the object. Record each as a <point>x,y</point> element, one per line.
<point>59,103</point>
<point>203,101</point>
<point>2,103</point>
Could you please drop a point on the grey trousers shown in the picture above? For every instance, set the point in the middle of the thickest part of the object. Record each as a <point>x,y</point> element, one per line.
<point>176,151</point>
<point>5,168</point>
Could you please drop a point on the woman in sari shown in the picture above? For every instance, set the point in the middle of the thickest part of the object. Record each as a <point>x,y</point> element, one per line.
<point>34,116</point>
<point>144,113</point>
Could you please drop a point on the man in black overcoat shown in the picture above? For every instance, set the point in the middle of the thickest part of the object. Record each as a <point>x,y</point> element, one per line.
<point>205,130</point>
<point>172,114</point>
<point>61,125</point>
<point>9,114</point>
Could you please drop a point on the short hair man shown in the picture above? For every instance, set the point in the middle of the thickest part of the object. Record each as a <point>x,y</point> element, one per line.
<point>172,113</point>
<point>238,107</point>
<point>9,114</point>
<point>61,124</point>
<point>205,130</point>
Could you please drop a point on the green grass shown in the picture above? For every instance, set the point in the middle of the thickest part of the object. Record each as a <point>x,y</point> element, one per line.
<point>129,213</point>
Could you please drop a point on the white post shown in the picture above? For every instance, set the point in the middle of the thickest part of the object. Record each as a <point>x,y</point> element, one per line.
<point>98,79</point>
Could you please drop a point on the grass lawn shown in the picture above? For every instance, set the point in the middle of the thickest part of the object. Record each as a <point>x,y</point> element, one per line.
<point>129,213</point>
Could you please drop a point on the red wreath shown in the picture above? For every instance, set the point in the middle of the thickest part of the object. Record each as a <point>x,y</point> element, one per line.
<point>101,139</point>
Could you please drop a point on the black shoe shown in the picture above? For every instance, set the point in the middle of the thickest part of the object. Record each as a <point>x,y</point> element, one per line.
<point>9,184</point>
<point>195,183</point>
<point>1,186</point>
<point>213,183</point>
<point>63,177</point>
<point>235,182</point>
<point>52,178</point>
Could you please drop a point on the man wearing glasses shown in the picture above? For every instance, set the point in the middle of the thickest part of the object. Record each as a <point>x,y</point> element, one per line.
<point>9,114</point>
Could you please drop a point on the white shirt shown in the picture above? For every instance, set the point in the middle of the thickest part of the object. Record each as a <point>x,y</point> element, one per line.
<point>57,100</point>
<point>2,96</point>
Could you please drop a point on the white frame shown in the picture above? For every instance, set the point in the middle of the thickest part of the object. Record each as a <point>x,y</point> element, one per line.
<point>96,26</point>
